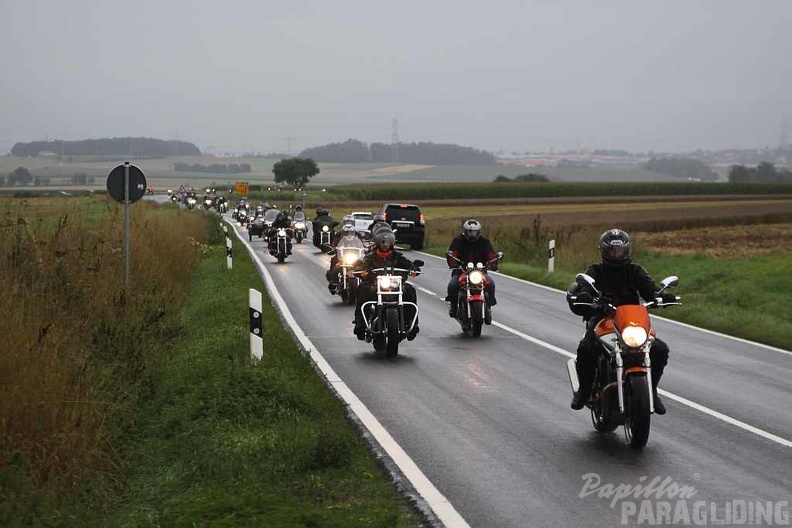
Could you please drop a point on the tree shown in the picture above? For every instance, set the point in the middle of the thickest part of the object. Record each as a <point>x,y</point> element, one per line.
<point>295,171</point>
<point>20,176</point>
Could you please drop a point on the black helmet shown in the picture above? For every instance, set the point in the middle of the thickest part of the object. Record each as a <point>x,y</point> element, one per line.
<point>298,208</point>
<point>615,247</point>
<point>379,217</point>
<point>321,211</point>
<point>384,239</point>
<point>471,229</point>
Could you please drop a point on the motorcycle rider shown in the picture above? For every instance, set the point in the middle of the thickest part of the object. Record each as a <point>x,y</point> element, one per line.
<point>470,246</point>
<point>347,230</point>
<point>383,255</point>
<point>282,221</point>
<point>322,219</point>
<point>621,281</point>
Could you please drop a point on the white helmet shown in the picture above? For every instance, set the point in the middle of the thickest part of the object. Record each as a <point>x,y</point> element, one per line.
<point>471,228</point>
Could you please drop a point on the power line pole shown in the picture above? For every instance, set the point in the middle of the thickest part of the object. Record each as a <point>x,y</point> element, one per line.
<point>395,141</point>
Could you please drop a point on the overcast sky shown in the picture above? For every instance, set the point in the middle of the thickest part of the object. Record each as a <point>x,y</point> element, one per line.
<point>669,75</point>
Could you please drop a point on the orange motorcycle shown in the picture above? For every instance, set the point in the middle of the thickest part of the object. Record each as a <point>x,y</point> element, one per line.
<point>622,389</point>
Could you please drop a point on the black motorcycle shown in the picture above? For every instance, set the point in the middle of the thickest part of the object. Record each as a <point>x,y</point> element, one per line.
<point>385,320</point>
<point>278,244</point>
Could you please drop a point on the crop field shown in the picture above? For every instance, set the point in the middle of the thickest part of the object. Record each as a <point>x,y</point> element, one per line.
<point>159,171</point>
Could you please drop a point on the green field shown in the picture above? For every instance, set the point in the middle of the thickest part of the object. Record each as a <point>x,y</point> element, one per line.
<point>159,172</point>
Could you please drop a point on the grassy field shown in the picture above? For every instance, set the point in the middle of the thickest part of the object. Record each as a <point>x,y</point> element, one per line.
<point>159,171</point>
<point>142,407</point>
<point>733,258</point>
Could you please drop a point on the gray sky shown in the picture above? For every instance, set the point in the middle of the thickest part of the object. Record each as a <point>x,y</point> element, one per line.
<point>666,75</point>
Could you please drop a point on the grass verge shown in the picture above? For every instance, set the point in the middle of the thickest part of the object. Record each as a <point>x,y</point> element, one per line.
<point>746,298</point>
<point>226,443</point>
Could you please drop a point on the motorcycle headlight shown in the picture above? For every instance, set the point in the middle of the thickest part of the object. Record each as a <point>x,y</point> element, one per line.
<point>350,258</point>
<point>476,277</point>
<point>191,200</point>
<point>634,336</point>
<point>325,229</point>
<point>207,202</point>
<point>282,232</point>
<point>299,225</point>
<point>388,283</point>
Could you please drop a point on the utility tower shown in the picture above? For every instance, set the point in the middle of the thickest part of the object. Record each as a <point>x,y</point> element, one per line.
<point>783,136</point>
<point>395,141</point>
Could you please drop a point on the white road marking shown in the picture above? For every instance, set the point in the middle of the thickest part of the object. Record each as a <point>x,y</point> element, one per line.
<point>715,414</point>
<point>439,504</point>
<point>711,332</point>
<point>680,399</point>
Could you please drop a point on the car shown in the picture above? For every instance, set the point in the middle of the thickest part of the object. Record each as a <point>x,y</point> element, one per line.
<point>407,221</point>
<point>362,220</point>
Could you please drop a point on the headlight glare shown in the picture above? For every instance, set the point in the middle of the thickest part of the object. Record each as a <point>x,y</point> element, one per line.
<point>634,336</point>
<point>476,277</point>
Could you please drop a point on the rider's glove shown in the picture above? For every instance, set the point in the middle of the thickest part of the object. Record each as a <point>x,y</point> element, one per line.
<point>584,297</point>
<point>669,298</point>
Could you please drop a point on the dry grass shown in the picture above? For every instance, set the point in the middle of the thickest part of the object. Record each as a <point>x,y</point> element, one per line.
<point>67,318</point>
<point>725,242</point>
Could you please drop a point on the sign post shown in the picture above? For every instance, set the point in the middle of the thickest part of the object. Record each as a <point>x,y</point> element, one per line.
<point>551,256</point>
<point>126,184</point>
<point>256,326</point>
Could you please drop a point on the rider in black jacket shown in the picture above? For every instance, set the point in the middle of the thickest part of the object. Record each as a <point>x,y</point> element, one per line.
<point>322,219</point>
<point>383,255</point>
<point>282,221</point>
<point>622,282</point>
<point>470,246</point>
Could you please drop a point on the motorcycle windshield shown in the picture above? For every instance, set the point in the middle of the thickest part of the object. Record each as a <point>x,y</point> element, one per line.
<point>351,242</point>
<point>299,217</point>
<point>270,215</point>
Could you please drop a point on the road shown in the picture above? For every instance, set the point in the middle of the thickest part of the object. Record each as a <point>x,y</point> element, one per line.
<point>488,421</point>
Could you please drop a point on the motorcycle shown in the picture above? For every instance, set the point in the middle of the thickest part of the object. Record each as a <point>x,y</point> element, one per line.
<point>299,226</point>
<point>386,324</point>
<point>324,238</point>
<point>472,301</point>
<point>349,251</point>
<point>278,245</point>
<point>256,227</point>
<point>242,216</point>
<point>622,390</point>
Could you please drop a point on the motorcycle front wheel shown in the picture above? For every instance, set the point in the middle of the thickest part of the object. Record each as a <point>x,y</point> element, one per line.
<point>351,293</point>
<point>637,412</point>
<point>392,347</point>
<point>476,318</point>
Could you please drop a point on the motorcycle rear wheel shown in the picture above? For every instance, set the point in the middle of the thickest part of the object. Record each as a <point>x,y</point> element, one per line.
<point>392,347</point>
<point>637,413</point>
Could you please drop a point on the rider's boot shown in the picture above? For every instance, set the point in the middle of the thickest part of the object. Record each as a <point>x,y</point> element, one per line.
<point>333,287</point>
<point>586,379</point>
<point>487,314</point>
<point>452,306</point>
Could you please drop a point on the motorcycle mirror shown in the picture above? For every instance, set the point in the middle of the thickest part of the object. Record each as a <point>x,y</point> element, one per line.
<point>418,263</point>
<point>499,255</point>
<point>449,254</point>
<point>669,282</point>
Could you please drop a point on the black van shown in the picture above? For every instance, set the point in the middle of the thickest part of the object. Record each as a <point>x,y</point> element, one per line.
<point>408,221</point>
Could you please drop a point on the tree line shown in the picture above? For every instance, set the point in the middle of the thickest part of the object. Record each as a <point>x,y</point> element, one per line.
<point>764,172</point>
<point>23,177</point>
<point>424,153</point>
<point>214,168</point>
<point>124,146</point>
<point>682,167</point>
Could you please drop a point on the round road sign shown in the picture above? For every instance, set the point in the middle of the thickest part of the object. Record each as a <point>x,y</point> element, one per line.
<point>137,184</point>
